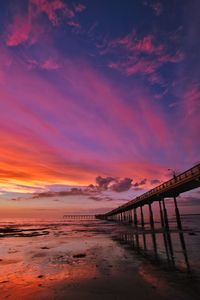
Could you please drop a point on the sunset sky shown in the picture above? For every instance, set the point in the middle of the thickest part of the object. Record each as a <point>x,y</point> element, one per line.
<point>95,92</point>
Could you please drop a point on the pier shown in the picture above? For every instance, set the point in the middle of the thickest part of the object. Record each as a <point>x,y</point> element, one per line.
<point>79,217</point>
<point>132,214</point>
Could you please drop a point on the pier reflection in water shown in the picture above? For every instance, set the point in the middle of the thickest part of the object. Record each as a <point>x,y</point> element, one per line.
<point>162,240</point>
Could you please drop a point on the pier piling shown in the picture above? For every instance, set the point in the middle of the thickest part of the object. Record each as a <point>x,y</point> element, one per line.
<point>181,235</point>
<point>143,228</point>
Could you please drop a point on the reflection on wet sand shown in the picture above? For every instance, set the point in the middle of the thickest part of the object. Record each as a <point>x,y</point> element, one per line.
<point>83,261</point>
<point>40,267</point>
<point>154,247</point>
<point>29,283</point>
<point>147,236</point>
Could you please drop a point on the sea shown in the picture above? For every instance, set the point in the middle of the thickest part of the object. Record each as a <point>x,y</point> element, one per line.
<point>12,230</point>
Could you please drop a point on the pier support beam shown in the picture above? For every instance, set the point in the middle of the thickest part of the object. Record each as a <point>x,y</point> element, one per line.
<point>163,230</point>
<point>136,228</point>
<point>123,217</point>
<point>153,230</point>
<point>130,217</point>
<point>166,222</point>
<point>143,228</point>
<point>181,235</point>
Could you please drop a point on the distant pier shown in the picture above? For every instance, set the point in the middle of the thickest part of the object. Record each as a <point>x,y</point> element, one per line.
<point>79,217</point>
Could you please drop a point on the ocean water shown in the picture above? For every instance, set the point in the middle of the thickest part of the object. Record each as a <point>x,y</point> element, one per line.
<point>34,229</point>
<point>37,255</point>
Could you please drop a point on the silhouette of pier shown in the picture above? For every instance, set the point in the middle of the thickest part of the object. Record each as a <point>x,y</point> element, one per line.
<point>79,217</point>
<point>132,213</point>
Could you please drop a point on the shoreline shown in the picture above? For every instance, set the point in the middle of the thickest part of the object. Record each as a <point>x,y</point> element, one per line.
<point>76,262</point>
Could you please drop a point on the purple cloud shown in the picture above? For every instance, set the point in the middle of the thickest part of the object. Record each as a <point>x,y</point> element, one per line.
<point>141,182</point>
<point>103,182</point>
<point>122,185</point>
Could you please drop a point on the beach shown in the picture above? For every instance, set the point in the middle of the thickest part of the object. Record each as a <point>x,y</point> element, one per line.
<point>82,260</point>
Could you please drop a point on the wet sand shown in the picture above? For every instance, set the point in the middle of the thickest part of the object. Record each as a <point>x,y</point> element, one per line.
<point>79,261</point>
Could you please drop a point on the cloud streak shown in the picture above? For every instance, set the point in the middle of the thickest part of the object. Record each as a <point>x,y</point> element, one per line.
<point>66,117</point>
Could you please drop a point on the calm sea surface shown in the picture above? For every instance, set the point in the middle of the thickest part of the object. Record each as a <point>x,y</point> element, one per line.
<point>38,229</point>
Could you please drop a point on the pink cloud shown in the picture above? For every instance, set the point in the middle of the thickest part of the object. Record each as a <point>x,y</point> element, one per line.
<point>28,27</point>
<point>135,45</point>
<point>131,60</point>
<point>19,31</point>
<point>50,64</point>
<point>141,66</point>
<point>50,8</point>
<point>147,45</point>
<point>172,58</point>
